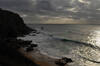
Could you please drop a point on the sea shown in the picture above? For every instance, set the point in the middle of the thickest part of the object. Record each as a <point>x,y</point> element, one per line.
<point>81,42</point>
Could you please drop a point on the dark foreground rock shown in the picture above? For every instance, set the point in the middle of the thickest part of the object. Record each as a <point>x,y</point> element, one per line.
<point>63,61</point>
<point>12,26</point>
<point>10,55</point>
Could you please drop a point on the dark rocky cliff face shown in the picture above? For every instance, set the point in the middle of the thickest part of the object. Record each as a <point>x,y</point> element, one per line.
<point>12,25</point>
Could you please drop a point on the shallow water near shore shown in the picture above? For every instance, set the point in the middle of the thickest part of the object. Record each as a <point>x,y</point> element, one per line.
<point>81,43</point>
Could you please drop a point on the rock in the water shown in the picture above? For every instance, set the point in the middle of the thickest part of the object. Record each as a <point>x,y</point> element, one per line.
<point>31,47</point>
<point>63,61</point>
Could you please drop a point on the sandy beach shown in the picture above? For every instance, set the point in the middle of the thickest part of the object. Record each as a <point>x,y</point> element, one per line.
<point>39,58</point>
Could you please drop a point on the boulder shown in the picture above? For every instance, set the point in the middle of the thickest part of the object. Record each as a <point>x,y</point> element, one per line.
<point>63,61</point>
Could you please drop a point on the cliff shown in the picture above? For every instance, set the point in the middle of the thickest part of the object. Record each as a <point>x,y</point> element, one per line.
<point>12,25</point>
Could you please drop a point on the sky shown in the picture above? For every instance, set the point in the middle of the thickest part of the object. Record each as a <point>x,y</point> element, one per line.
<point>55,11</point>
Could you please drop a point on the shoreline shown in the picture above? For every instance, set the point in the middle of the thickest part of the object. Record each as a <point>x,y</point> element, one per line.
<point>39,58</point>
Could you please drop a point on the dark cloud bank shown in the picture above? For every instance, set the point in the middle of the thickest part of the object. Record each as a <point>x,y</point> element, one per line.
<point>32,11</point>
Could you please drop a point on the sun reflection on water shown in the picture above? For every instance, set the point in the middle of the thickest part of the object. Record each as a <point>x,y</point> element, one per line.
<point>94,38</point>
<point>89,54</point>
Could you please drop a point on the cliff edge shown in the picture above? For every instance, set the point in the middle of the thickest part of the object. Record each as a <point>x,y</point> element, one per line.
<point>12,25</point>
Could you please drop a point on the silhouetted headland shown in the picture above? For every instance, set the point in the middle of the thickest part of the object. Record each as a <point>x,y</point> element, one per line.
<point>12,26</point>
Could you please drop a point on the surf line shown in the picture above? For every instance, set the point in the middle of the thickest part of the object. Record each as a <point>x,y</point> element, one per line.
<point>90,59</point>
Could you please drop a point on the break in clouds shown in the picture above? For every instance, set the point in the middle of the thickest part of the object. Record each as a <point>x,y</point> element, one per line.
<point>49,11</point>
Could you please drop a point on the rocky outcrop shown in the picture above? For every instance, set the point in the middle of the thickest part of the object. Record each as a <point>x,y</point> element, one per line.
<point>63,61</point>
<point>10,55</point>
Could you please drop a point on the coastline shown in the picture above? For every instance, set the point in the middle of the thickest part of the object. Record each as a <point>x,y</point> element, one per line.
<point>20,52</point>
<point>39,58</point>
<point>36,55</point>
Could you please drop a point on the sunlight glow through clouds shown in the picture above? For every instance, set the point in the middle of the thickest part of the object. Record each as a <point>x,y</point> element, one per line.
<point>98,9</point>
<point>24,15</point>
<point>72,10</point>
<point>62,20</point>
<point>84,1</point>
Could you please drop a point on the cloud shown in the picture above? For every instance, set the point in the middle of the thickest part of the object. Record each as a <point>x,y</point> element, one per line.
<point>85,9</point>
<point>78,10</point>
<point>16,5</point>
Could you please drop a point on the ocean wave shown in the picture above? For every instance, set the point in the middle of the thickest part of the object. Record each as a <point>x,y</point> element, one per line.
<point>85,44</point>
<point>62,39</point>
<point>77,42</point>
<point>94,61</point>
